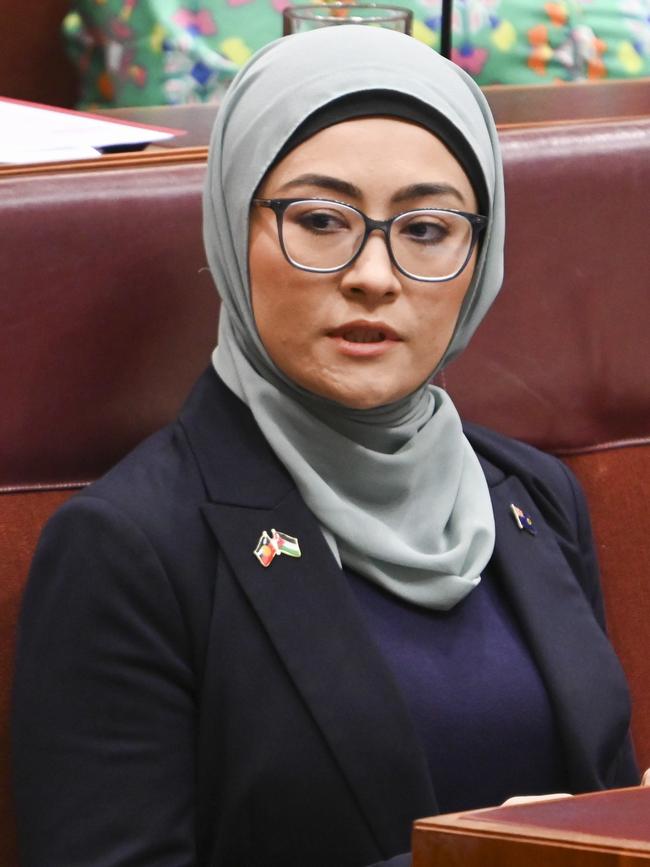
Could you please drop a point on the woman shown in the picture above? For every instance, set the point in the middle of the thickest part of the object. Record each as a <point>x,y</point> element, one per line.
<point>312,610</point>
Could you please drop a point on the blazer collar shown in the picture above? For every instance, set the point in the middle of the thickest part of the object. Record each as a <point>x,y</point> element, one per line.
<point>310,614</point>
<point>237,464</point>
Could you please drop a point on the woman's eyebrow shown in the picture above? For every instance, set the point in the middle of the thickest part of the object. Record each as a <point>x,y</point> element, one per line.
<point>417,191</point>
<point>336,185</point>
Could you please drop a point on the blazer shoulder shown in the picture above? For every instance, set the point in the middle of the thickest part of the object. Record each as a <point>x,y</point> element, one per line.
<point>503,456</point>
<point>547,478</point>
<point>156,474</point>
<point>556,493</point>
<point>153,496</point>
<point>139,530</point>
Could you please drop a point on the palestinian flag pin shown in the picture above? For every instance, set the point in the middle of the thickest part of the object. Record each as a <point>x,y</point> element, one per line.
<point>272,544</point>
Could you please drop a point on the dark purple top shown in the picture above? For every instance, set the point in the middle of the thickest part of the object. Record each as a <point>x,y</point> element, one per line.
<point>474,693</point>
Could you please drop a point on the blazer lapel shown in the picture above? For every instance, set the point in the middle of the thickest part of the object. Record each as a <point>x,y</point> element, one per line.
<point>584,679</point>
<point>312,618</point>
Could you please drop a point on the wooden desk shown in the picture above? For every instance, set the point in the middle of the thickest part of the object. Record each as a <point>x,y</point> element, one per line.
<point>197,119</point>
<point>512,106</point>
<point>519,105</point>
<point>603,829</point>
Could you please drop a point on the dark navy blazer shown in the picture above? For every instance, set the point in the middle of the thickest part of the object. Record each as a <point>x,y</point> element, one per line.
<point>177,704</point>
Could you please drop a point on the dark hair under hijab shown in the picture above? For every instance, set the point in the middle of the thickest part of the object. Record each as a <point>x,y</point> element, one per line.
<point>390,104</point>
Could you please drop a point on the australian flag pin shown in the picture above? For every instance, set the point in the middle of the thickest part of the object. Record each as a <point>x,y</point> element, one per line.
<point>272,544</point>
<point>523,521</point>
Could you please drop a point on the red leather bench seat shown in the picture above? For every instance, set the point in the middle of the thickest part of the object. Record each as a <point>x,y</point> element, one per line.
<point>108,314</point>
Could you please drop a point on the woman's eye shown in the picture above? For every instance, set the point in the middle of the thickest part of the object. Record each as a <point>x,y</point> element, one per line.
<point>425,231</point>
<point>322,221</point>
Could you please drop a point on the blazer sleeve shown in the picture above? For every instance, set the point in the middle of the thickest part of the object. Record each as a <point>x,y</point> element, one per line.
<point>104,703</point>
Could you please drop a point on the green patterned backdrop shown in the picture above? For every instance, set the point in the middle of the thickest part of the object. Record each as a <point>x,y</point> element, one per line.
<point>156,52</point>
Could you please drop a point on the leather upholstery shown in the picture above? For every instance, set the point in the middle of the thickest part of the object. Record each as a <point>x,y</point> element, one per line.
<point>21,519</point>
<point>562,360</point>
<point>107,314</point>
<point>110,317</point>
<point>617,485</point>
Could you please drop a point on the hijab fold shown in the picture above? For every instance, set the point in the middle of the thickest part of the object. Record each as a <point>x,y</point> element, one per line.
<point>398,490</point>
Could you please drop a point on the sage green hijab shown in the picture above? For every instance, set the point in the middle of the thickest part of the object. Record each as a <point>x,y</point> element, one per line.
<point>398,491</point>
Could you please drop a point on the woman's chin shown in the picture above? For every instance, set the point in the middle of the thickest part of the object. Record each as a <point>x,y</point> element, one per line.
<point>367,401</point>
<point>362,395</point>
<point>353,384</point>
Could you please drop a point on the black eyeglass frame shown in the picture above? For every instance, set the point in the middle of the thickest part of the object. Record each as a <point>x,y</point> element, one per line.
<point>477,221</point>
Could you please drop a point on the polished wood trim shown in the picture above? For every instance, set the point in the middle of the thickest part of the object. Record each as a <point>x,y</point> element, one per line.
<point>572,101</point>
<point>138,160</point>
<point>567,832</point>
<point>614,84</point>
<point>572,122</point>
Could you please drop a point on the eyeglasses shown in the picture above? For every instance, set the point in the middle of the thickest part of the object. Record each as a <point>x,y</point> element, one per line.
<point>322,235</point>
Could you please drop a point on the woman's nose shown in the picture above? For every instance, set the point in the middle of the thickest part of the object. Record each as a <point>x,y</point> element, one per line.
<point>372,274</point>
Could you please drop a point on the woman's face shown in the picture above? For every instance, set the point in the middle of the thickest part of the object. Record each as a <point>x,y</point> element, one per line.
<point>367,335</point>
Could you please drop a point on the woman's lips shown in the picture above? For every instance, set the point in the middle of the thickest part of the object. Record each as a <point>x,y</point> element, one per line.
<point>364,339</point>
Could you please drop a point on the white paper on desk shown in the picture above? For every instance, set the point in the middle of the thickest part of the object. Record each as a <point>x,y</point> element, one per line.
<point>40,133</point>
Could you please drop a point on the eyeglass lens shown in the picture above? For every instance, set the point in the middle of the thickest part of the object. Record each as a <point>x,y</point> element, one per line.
<point>327,235</point>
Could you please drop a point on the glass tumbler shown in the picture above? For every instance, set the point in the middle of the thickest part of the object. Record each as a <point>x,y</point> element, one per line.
<point>298,19</point>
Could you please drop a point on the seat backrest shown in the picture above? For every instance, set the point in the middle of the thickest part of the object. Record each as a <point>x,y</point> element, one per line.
<point>561,360</point>
<point>111,314</point>
<point>617,484</point>
<point>22,515</point>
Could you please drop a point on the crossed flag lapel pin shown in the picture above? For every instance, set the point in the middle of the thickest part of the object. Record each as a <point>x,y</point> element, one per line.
<point>274,544</point>
<point>523,520</point>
